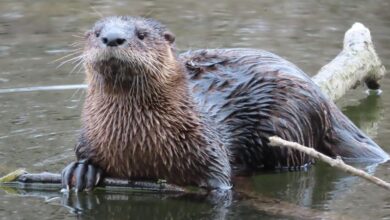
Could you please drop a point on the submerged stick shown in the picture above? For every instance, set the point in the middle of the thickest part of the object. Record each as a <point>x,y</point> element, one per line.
<point>338,162</point>
<point>355,64</point>
<point>21,179</point>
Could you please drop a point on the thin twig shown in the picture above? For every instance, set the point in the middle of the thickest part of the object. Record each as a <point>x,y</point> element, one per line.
<point>338,162</point>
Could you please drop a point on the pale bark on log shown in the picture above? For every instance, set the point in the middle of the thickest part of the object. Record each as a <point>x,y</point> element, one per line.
<point>355,64</point>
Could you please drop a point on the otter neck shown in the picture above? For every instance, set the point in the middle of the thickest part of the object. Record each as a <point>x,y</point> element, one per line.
<point>143,88</point>
<point>146,92</point>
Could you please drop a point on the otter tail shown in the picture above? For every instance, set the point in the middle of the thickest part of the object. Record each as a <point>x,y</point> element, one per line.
<point>346,140</point>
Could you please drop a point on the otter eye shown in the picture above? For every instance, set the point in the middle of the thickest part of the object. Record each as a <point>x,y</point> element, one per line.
<point>97,33</point>
<point>141,35</point>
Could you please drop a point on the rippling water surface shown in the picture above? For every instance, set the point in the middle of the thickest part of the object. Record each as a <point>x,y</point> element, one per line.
<point>40,119</point>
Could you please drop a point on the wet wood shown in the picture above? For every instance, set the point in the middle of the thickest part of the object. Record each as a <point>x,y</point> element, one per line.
<point>356,64</point>
<point>337,163</point>
<point>21,179</point>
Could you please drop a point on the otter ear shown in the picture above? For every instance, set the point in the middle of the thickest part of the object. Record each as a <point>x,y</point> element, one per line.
<point>169,36</point>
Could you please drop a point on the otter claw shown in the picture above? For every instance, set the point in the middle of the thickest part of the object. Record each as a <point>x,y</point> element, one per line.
<point>66,174</point>
<point>93,177</point>
<point>82,174</point>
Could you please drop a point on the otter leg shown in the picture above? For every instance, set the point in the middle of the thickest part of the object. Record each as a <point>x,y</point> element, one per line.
<point>82,175</point>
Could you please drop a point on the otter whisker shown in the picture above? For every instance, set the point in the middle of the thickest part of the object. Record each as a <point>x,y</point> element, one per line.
<point>81,92</point>
<point>76,44</point>
<point>97,12</point>
<point>66,56</point>
<point>73,60</point>
<point>77,36</point>
<point>78,66</point>
<point>74,49</point>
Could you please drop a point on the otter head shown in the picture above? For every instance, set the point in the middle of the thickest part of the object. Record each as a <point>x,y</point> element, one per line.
<point>122,52</point>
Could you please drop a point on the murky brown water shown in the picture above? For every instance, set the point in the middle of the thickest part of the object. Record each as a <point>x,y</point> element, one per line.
<point>38,128</point>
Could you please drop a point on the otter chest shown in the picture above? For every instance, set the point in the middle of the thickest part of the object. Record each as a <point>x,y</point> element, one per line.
<point>137,142</point>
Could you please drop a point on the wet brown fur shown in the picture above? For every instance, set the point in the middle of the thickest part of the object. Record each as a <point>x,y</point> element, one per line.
<point>148,128</point>
<point>183,118</point>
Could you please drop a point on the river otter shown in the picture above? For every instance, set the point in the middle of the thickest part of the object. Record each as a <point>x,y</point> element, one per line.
<point>199,117</point>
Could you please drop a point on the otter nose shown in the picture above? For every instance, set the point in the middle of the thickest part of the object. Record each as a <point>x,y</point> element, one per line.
<point>113,39</point>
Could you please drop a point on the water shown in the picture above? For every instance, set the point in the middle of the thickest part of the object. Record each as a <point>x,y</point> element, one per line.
<point>39,128</point>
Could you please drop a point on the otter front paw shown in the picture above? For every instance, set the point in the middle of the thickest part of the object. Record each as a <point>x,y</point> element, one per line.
<point>82,175</point>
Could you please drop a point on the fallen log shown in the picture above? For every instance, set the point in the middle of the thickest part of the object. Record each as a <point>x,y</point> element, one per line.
<point>356,64</point>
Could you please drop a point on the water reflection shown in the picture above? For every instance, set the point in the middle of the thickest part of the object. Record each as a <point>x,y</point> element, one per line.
<point>111,205</point>
<point>104,205</point>
<point>367,113</point>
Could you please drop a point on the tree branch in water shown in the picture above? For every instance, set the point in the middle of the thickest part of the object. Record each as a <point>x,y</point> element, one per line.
<point>338,162</point>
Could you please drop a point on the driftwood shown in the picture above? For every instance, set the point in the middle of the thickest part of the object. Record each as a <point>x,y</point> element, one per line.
<point>357,63</point>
